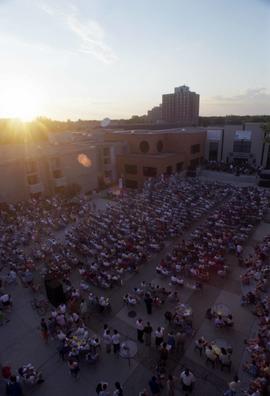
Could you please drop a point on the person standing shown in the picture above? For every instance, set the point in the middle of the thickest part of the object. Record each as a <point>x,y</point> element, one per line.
<point>171,386</point>
<point>116,341</point>
<point>140,329</point>
<point>159,336</point>
<point>187,380</point>
<point>44,330</point>
<point>148,303</point>
<point>154,386</point>
<point>74,368</point>
<point>84,309</point>
<point>52,328</point>
<point>144,392</point>
<point>13,387</point>
<point>163,353</point>
<point>171,341</point>
<point>107,338</point>
<point>233,387</point>
<point>104,391</point>
<point>148,334</point>
<point>180,340</point>
<point>118,390</point>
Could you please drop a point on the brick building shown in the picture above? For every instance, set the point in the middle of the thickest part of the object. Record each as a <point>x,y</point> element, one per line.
<point>152,153</point>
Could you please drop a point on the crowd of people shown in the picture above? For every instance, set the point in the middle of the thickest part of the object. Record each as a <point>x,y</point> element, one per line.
<point>255,281</point>
<point>123,237</point>
<point>238,169</point>
<point>225,230</point>
<point>214,353</point>
<point>55,237</point>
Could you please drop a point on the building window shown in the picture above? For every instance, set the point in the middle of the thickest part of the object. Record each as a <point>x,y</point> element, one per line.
<point>55,162</point>
<point>241,146</point>
<point>144,146</point>
<point>131,169</point>
<point>131,183</point>
<point>159,146</point>
<point>195,148</point>
<point>179,166</point>
<point>149,171</point>
<point>106,151</point>
<point>107,160</point>
<point>32,179</point>
<point>31,166</point>
<point>57,174</point>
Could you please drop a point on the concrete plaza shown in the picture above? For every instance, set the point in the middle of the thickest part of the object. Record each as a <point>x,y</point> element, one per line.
<point>21,341</point>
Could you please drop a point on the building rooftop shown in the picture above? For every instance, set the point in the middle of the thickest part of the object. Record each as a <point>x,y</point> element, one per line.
<point>160,131</point>
<point>152,156</point>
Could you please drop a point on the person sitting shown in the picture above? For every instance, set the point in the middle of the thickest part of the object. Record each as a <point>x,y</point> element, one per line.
<point>177,281</point>
<point>162,271</point>
<point>173,296</point>
<point>219,322</point>
<point>11,277</point>
<point>6,301</point>
<point>138,291</point>
<point>225,359</point>
<point>14,387</point>
<point>104,303</point>
<point>92,357</point>
<point>128,299</point>
<point>157,301</point>
<point>198,285</point>
<point>228,321</point>
<point>210,355</point>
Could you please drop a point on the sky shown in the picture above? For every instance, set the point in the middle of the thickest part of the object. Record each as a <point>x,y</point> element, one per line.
<point>92,59</point>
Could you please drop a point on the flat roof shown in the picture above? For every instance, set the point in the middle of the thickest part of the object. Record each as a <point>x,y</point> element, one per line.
<point>159,131</point>
<point>152,156</point>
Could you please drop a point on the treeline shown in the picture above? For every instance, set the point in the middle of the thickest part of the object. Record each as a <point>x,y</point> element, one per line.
<point>232,120</point>
<point>13,131</point>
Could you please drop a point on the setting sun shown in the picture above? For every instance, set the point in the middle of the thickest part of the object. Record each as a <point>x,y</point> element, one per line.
<point>20,101</point>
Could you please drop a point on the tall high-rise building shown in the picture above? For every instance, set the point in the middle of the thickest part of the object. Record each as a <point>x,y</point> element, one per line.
<point>181,107</point>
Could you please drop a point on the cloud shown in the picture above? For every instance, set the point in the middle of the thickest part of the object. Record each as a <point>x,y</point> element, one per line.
<point>255,94</point>
<point>252,101</point>
<point>90,33</point>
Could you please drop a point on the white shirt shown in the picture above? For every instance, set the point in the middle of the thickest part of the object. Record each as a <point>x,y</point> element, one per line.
<point>158,333</point>
<point>139,325</point>
<point>234,385</point>
<point>116,338</point>
<point>4,298</point>
<point>187,379</point>
<point>107,339</point>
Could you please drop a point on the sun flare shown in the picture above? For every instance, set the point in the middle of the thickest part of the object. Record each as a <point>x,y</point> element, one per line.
<point>20,101</point>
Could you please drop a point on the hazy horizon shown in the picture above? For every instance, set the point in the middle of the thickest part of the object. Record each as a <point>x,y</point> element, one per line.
<point>95,59</point>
